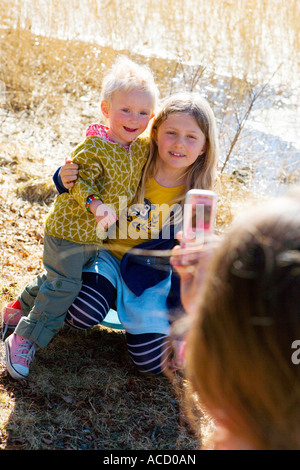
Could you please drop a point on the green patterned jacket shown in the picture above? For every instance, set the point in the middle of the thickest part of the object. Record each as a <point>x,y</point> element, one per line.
<point>107,170</point>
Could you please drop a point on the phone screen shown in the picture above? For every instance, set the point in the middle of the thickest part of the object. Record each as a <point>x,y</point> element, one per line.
<point>199,218</point>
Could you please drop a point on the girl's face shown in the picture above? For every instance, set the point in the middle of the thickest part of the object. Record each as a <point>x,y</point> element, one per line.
<point>180,141</point>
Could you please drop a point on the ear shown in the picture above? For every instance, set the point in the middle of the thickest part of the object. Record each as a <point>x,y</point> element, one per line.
<point>154,135</point>
<point>203,150</point>
<point>105,109</point>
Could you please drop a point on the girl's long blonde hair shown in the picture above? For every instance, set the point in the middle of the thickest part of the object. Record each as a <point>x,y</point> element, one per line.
<point>202,173</point>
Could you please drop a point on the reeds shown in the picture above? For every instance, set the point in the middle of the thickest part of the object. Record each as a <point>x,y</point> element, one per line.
<point>246,35</point>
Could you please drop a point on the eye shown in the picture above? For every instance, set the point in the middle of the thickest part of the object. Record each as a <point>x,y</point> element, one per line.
<point>144,113</point>
<point>192,137</point>
<point>125,110</point>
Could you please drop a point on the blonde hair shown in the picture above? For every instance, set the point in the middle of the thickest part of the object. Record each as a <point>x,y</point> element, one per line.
<point>239,346</point>
<point>202,173</point>
<point>126,75</point>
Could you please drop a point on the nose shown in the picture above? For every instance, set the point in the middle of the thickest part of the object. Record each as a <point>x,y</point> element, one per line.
<point>179,141</point>
<point>134,117</point>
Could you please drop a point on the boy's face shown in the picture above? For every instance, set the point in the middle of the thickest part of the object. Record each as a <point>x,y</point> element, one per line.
<point>128,114</point>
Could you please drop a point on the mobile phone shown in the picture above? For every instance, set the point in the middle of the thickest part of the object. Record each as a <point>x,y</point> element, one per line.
<point>199,217</point>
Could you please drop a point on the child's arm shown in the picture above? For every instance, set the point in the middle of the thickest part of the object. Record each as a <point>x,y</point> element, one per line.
<point>90,171</point>
<point>58,182</point>
<point>65,178</point>
<point>192,267</point>
<point>104,215</point>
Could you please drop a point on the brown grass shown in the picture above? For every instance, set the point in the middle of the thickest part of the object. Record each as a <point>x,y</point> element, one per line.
<point>83,391</point>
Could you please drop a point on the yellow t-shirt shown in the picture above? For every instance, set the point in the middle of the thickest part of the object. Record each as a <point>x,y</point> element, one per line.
<point>142,222</point>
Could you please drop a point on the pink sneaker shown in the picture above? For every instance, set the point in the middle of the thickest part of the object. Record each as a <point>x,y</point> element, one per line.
<point>19,354</point>
<point>11,316</point>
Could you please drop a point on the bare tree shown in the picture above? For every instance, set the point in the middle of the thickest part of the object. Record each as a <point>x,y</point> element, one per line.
<point>242,114</point>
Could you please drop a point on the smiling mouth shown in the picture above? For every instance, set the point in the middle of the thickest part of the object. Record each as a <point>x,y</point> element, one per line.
<point>177,155</point>
<point>127,129</point>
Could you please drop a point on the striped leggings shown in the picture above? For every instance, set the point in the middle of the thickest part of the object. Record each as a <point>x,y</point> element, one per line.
<point>148,351</point>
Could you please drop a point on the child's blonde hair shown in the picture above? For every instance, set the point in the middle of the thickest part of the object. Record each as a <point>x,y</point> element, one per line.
<point>202,173</point>
<point>126,75</point>
<point>239,347</point>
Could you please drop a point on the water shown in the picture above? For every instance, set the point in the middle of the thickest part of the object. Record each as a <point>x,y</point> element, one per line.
<point>217,34</point>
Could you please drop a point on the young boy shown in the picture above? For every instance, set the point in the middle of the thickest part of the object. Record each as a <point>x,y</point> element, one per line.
<point>110,162</point>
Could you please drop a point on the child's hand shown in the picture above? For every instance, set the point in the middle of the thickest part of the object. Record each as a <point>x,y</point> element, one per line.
<point>105,216</point>
<point>192,268</point>
<point>69,173</point>
<point>178,359</point>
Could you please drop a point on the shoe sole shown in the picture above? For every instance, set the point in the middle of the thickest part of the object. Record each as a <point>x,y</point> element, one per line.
<point>14,374</point>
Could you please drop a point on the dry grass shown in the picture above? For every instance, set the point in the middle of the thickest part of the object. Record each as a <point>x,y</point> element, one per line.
<point>245,33</point>
<point>84,392</point>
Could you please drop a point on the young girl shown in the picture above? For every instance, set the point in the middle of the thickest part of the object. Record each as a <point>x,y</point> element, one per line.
<point>143,289</point>
<point>111,160</point>
<point>243,339</point>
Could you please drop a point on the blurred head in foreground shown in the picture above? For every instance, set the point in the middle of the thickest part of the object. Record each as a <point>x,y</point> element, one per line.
<point>243,349</point>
